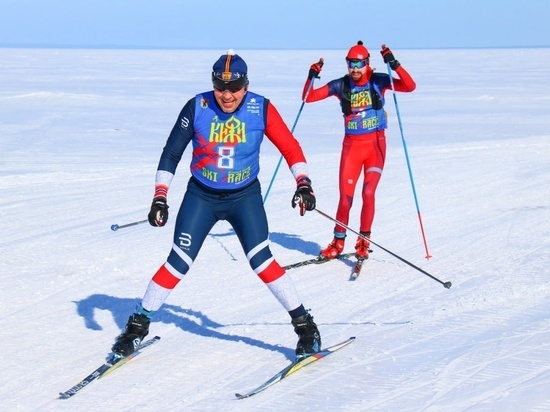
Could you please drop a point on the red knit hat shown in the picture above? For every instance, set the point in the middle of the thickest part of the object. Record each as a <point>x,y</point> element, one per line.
<point>358,52</point>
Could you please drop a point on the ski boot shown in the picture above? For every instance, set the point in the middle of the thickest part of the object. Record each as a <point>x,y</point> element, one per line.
<point>333,250</point>
<point>362,246</point>
<point>309,338</point>
<point>129,340</point>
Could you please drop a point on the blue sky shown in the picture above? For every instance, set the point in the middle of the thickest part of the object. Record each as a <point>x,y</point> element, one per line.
<point>276,24</point>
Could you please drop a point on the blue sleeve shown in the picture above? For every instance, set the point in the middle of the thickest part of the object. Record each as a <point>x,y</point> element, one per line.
<point>336,87</point>
<point>180,136</point>
<point>382,82</point>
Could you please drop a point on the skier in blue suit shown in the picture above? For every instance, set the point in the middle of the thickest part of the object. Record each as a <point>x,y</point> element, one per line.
<point>226,127</point>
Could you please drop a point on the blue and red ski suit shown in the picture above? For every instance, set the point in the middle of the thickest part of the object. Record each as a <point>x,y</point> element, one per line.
<point>224,186</point>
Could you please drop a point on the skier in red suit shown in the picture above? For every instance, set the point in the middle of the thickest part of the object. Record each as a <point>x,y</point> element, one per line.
<point>361,95</point>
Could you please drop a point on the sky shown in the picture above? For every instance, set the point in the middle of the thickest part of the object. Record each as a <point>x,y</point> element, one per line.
<point>81,132</point>
<point>282,24</point>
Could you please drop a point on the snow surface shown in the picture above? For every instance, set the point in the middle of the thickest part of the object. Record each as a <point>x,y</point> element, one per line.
<point>81,133</point>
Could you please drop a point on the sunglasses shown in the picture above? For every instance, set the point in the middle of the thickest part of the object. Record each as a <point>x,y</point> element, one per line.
<point>232,86</point>
<point>357,64</point>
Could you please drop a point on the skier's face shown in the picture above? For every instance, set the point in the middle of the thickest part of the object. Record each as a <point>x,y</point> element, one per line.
<point>229,100</point>
<point>357,69</point>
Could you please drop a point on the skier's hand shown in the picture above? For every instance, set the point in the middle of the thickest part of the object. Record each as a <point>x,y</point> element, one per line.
<point>315,69</point>
<point>388,57</point>
<point>158,216</point>
<point>304,196</point>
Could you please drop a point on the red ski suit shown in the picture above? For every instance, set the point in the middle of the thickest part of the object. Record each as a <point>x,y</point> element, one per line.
<point>364,144</point>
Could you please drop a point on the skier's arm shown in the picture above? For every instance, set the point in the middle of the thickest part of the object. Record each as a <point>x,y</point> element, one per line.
<point>277,132</point>
<point>405,82</point>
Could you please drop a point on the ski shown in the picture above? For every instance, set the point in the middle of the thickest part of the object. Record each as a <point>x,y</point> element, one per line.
<point>357,269</point>
<point>109,366</point>
<point>316,261</point>
<point>297,364</point>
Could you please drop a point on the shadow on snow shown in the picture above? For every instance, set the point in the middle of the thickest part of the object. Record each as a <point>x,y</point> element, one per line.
<point>186,319</point>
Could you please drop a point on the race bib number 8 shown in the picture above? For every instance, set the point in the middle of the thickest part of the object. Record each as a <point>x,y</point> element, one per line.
<point>225,159</point>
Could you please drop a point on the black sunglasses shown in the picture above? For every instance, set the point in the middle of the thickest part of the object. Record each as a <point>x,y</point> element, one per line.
<point>231,86</point>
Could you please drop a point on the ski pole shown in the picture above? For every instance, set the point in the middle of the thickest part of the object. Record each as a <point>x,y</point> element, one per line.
<point>115,227</point>
<point>446,284</point>
<point>292,131</point>
<point>428,256</point>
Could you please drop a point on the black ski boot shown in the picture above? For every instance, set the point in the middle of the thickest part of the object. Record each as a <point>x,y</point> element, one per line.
<point>309,338</point>
<point>128,341</point>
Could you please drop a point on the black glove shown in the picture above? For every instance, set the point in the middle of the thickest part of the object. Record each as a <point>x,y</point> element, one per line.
<point>315,69</point>
<point>388,57</point>
<point>158,216</point>
<point>304,196</point>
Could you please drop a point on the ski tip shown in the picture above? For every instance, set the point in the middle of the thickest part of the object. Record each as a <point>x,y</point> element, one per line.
<point>239,396</point>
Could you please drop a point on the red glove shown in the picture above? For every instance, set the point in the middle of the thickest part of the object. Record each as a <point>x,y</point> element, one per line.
<point>388,57</point>
<point>315,69</point>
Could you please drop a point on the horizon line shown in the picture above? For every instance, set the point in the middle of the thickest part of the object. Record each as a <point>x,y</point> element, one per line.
<point>115,47</point>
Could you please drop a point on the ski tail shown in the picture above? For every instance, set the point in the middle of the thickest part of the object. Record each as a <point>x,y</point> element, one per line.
<point>295,366</point>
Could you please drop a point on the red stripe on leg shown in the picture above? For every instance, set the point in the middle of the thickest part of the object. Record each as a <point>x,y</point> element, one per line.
<point>273,272</point>
<point>165,279</point>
